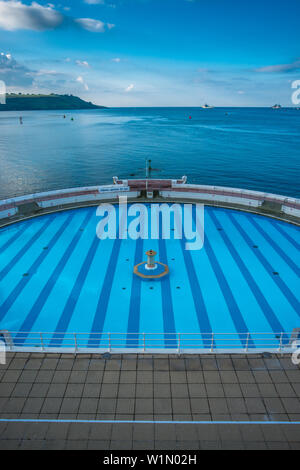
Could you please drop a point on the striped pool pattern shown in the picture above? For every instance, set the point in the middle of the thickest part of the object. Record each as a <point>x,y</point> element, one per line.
<point>57,276</point>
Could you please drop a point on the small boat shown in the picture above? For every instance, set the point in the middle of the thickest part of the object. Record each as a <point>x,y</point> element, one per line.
<point>276,106</point>
<point>206,106</point>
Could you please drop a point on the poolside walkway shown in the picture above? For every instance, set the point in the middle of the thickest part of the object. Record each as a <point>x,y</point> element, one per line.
<point>152,388</point>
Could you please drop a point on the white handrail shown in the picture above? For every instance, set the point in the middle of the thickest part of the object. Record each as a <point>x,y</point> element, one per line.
<point>211,342</point>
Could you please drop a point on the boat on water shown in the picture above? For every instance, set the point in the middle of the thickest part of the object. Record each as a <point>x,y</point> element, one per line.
<point>206,106</point>
<point>276,106</point>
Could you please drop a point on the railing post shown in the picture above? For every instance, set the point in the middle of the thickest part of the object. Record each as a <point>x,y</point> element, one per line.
<point>7,339</point>
<point>75,343</point>
<point>144,342</point>
<point>178,343</point>
<point>42,342</point>
<point>109,343</point>
<point>212,343</point>
<point>247,342</point>
<point>280,342</point>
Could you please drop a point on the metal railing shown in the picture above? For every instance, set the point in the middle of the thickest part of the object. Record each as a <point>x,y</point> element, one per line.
<point>167,343</point>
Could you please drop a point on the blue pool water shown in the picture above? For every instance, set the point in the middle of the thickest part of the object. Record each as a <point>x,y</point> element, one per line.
<point>254,148</point>
<point>57,276</point>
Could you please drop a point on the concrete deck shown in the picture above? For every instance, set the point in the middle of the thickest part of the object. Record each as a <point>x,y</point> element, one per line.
<point>152,388</point>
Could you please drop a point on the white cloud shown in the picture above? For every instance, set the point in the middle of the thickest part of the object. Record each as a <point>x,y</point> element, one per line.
<point>13,73</point>
<point>292,67</point>
<point>241,92</point>
<point>45,72</point>
<point>19,77</point>
<point>95,26</point>
<point>94,2</point>
<point>15,15</point>
<point>129,88</point>
<point>100,2</point>
<point>82,63</point>
<point>81,80</point>
<point>116,59</point>
<point>5,57</point>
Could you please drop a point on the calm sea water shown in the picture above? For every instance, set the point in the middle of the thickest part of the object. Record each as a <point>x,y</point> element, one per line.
<point>250,148</point>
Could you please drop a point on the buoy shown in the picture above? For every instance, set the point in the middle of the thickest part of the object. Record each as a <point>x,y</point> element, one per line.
<point>190,117</point>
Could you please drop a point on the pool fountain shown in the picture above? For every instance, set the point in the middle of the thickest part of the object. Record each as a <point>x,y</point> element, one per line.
<point>151,269</point>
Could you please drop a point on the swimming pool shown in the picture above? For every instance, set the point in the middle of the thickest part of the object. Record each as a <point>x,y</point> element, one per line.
<point>57,278</point>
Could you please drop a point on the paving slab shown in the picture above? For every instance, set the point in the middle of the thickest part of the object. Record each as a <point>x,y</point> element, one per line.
<point>149,388</point>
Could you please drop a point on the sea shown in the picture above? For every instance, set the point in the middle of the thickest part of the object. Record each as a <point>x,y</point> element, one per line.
<point>251,148</point>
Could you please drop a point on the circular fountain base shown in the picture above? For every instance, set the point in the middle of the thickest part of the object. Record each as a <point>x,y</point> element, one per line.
<point>158,272</point>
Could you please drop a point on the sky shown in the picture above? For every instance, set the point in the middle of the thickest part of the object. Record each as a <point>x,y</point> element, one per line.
<point>153,52</point>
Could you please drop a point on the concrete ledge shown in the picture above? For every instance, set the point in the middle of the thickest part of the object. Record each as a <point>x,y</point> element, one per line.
<point>279,207</point>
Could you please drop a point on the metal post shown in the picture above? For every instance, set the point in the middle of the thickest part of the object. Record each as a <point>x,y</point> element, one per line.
<point>42,343</point>
<point>144,342</point>
<point>280,343</point>
<point>178,343</point>
<point>212,343</point>
<point>148,167</point>
<point>109,343</point>
<point>75,342</point>
<point>247,341</point>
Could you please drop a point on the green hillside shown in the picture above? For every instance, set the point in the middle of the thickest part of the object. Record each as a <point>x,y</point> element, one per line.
<point>20,102</point>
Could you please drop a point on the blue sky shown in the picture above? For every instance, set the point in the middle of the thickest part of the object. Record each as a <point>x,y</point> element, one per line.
<point>153,52</point>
